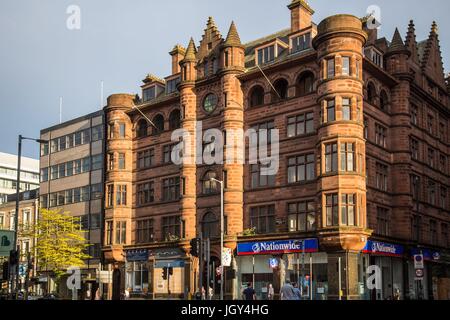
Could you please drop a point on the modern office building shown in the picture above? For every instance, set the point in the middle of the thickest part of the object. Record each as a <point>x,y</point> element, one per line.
<point>71,168</point>
<point>8,175</point>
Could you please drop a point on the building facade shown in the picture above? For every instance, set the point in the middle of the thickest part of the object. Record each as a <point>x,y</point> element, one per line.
<point>363,165</point>
<point>28,215</point>
<point>8,175</point>
<point>71,169</point>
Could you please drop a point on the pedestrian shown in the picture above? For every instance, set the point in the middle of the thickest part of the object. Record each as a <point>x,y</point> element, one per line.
<point>270,292</point>
<point>127,294</point>
<point>98,296</point>
<point>249,293</point>
<point>203,293</point>
<point>297,292</point>
<point>287,291</point>
<point>88,294</point>
<point>211,293</point>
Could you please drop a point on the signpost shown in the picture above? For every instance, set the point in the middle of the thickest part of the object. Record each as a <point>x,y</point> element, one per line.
<point>419,266</point>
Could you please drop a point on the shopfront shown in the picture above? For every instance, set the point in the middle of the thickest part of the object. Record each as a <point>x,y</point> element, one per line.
<point>275,261</point>
<point>389,258</point>
<point>435,283</point>
<point>137,271</point>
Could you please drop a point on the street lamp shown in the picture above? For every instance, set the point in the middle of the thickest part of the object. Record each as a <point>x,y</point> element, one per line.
<point>221,234</point>
<point>16,217</point>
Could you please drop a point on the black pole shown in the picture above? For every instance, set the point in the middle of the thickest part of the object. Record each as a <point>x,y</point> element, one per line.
<point>16,217</point>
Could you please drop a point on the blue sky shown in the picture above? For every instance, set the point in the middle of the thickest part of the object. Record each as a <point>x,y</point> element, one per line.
<point>120,41</point>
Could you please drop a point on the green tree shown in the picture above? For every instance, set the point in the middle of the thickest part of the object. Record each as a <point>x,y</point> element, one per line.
<point>60,242</point>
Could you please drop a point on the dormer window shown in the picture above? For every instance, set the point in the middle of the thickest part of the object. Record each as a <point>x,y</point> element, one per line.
<point>266,54</point>
<point>375,56</point>
<point>270,51</point>
<point>300,42</point>
<point>152,92</point>
<point>172,84</point>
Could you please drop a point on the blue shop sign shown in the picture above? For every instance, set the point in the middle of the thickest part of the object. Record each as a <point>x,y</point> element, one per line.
<point>384,249</point>
<point>137,255</point>
<point>278,247</point>
<point>169,264</point>
<point>428,254</point>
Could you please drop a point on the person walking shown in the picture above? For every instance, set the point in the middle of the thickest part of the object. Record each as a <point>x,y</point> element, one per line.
<point>270,292</point>
<point>287,291</point>
<point>249,293</point>
<point>127,294</point>
<point>297,292</point>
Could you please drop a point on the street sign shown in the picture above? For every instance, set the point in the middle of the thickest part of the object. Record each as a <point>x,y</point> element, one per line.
<point>418,261</point>
<point>6,242</point>
<point>420,273</point>
<point>273,263</point>
<point>227,255</point>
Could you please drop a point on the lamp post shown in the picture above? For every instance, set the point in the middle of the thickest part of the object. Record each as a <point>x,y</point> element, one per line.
<point>221,233</point>
<point>16,217</point>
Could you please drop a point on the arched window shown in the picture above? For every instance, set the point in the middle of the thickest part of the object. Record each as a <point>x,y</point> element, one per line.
<point>142,128</point>
<point>210,226</point>
<point>210,187</point>
<point>384,101</point>
<point>257,96</point>
<point>305,84</point>
<point>175,119</point>
<point>158,121</point>
<point>281,86</point>
<point>371,93</point>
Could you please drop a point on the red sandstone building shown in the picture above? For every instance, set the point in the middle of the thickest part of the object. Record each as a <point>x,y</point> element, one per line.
<point>363,167</point>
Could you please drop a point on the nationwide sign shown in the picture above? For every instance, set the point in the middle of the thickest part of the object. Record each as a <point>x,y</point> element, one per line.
<point>278,247</point>
<point>383,249</point>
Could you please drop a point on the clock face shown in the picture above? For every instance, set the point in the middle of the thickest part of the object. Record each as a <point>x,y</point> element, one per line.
<point>210,103</point>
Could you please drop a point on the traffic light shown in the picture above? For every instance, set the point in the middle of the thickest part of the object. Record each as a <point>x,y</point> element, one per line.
<point>5,271</point>
<point>195,247</point>
<point>165,274</point>
<point>13,257</point>
<point>171,271</point>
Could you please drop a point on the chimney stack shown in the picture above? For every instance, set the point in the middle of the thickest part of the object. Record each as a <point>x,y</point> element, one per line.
<point>301,15</point>
<point>177,54</point>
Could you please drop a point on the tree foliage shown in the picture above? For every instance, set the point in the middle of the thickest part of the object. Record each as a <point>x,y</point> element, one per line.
<point>60,242</point>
